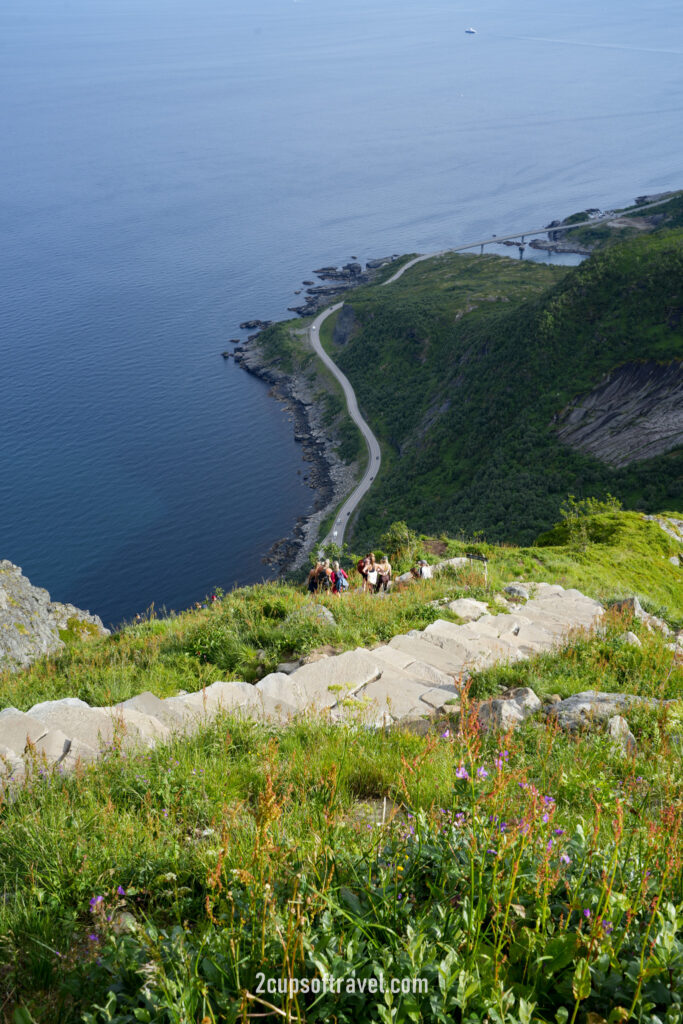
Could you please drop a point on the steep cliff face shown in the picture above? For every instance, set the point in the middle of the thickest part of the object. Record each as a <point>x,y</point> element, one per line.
<point>634,413</point>
<point>30,622</point>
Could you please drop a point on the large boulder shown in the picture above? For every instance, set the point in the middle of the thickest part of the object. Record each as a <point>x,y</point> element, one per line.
<point>509,710</point>
<point>30,622</point>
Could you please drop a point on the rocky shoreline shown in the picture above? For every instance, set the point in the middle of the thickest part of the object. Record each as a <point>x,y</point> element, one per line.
<point>330,477</point>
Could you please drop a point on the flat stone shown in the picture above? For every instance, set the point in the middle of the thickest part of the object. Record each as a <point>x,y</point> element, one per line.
<point>238,698</point>
<point>92,726</point>
<point>477,650</point>
<point>278,686</point>
<point>395,692</point>
<point>422,650</point>
<point>149,704</point>
<point>631,639</point>
<point>59,749</point>
<point>17,728</point>
<point>274,709</point>
<point>136,728</point>
<point>530,638</point>
<point>437,698</point>
<point>327,681</point>
<point>467,609</point>
<point>390,657</point>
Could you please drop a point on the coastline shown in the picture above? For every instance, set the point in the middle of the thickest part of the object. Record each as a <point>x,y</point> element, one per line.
<point>330,477</point>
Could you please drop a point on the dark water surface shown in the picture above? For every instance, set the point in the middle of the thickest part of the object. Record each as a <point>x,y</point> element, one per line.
<point>169,169</point>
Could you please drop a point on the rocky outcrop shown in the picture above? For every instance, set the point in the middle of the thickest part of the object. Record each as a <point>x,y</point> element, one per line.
<point>30,623</point>
<point>634,413</point>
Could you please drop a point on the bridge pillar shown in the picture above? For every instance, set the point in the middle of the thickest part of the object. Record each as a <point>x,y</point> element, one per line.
<point>521,252</point>
<point>481,250</point>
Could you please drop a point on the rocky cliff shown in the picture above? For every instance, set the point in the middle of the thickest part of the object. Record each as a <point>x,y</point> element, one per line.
<point>31,624</point>
<point>634,413</point>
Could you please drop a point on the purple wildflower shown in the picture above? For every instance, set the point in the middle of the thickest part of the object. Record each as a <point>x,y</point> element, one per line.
<point>446,735</point>
<point>482,773</point>
<point>565,859</point>
<point>546,817</point>
<point>95,901</point>
<point>558,831</point>
<point>586,913</point>
<point>94,938</point>
<point>461,772</point>
<point>121,891</point>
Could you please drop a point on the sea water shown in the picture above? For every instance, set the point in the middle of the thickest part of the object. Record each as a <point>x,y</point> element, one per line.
<point>171,168</point>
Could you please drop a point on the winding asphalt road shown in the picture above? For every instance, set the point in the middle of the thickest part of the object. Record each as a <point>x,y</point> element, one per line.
<point>336,534</point>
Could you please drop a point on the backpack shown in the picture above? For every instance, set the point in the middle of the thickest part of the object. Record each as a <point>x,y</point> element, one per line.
<point>323,580</point>
<point>342,580</point>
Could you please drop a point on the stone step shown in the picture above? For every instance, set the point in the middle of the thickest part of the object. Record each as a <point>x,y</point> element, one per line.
<point>325,682</point>
<point>60,749</point>
<point>149,704</point>
<point>421,649</point>
<point>391,657</point>
<point>17,729</point>
<point>78,721</point>
<point>479,652</point>
<point>236,697</point>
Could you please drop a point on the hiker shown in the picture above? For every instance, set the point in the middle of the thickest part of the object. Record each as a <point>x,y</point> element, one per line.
<point>362,568</point>
<point>384,574</point>
<point>340,581</point>
<point>425,570</point>
<point>312,583</point>
<point>325,576</point>
<point>371,574</point>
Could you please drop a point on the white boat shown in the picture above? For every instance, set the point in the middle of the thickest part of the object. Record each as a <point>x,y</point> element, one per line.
<point>471,31</point>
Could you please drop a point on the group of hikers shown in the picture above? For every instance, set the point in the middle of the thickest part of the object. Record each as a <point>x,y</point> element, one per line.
<point>375,575</point>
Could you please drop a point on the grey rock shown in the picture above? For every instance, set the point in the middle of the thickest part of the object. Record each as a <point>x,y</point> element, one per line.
<point>617,726</point>
<point>58,749</point>
<point>631,605</point>
<point>631,639</point>
<point>467,609</point>
<point>509,710</point>
<point>517,590</point>
<point>30,622</point>
<point>288,666</point>
<point>582,710</point>
<point>149,704</point>
<point>634,413</point>
<point>675,560</point>
<point>319,612</point>
<point>17,729</point>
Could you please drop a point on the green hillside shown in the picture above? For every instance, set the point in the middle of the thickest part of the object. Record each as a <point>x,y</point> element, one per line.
<point>530,877</point>
<point>463,365</point>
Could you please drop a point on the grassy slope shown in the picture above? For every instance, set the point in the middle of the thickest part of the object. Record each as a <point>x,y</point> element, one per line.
<point>461,366</point>
<point>209,847</point>
<point>628,557</point>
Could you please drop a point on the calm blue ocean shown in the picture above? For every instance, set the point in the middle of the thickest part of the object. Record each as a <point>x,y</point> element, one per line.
<point>172,167</point>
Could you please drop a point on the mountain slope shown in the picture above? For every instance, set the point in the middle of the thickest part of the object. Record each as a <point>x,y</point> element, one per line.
<point>467,365</point>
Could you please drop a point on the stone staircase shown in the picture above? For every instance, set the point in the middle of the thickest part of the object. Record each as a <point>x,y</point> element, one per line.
<point>414,676</point>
